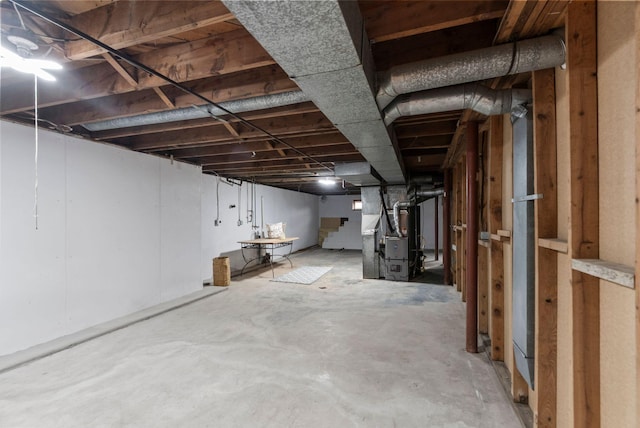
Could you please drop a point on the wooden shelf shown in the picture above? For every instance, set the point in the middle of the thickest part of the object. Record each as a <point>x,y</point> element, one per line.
<point>555,244</point>
<point>502,236</point>
<point>613,272</point>
<point>484,243</point>
<point>457,228</point>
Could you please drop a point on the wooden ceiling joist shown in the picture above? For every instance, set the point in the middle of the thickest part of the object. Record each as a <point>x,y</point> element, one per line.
<point>392,20</point>
<point>214,56</point>
<point>123,24</point>
<point>277,126</point>
<point>238,158</point>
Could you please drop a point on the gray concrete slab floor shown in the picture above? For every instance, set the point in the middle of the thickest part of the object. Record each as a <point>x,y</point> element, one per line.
<point>341,352</point>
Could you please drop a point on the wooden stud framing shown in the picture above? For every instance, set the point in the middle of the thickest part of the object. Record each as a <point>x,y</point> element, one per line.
<point>637,266</point>
<point>484,246</point>
<point>546,224</point>
<point>519,386</point>
<point>584,216</point>
<point>494,224</point>
<point>472,237</point>
<point>483,289</point>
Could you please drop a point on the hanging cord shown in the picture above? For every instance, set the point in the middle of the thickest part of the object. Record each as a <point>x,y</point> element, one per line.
<point>35,201</point>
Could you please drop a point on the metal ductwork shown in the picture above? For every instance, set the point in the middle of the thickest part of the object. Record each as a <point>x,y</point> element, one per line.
<point>404,204</point>
<point>472,96</point>
<point>357,173</point>
<point>199,112</point>
<point>324,48</point>
<point>511,58</point>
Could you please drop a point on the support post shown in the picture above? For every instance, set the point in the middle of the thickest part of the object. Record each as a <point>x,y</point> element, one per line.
<point>583,239</point>
<point>496,132</point>
<point>546,225</point>
<point>435,221</point>
<point>446,227</point>
<point>472,238</point>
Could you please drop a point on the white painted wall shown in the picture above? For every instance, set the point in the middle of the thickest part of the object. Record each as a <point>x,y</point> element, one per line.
<point>118,231</point>
<point>298,210</point>
<point>428,227</point>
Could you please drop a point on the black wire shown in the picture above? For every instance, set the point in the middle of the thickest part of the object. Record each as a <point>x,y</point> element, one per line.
<point>155,73</point>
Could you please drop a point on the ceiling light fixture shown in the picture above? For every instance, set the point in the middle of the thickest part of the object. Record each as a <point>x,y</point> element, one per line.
<point>327,182</point>
<point>21,60</point>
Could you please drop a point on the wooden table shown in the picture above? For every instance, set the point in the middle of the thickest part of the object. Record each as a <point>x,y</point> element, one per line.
<point>266,244</point>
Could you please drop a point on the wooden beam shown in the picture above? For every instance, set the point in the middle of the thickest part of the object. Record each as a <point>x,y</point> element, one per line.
<point>216,132</point>
<point>76,7</point>
<point>165,99</point>
<point>546,262</point>
<point>583,232</point>
<point>412,130</point>
<point>124,24</point>
<point>529,18</point>
<point>637,207</point>
<point>392,20</point>
<point>495,224</point>
<point>483,287</point>
<point>218,55</point>
<point>472,238</point>
<point>434,44</point>
<point>554,244</point>
<point>237,158</point>
<point>113,62</point>
<point>316,141</point>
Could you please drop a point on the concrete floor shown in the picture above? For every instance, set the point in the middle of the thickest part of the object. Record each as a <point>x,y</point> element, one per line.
<point>341,352</point>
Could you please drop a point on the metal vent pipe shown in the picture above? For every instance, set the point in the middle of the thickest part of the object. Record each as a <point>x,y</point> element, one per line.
<point>472,96</point>
<point>511,58</point>
<point>405,204</point>
<point>199,112</point>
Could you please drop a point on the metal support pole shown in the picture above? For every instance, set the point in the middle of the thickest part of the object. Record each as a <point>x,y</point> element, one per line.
<point>435,216</point>
<point>446,227</point>
<point>472,237</point>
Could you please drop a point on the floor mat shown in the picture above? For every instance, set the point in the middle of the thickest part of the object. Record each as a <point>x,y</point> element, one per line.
<point>304,275</point>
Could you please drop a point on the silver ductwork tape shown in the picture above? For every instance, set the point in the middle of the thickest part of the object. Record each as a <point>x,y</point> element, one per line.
<point>472,96</point>
<point>511,58</point>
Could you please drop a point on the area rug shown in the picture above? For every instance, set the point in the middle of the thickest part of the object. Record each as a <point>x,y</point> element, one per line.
<point>304,275</point>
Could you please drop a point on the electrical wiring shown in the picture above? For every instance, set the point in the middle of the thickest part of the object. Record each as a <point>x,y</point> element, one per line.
<point>30,8</point>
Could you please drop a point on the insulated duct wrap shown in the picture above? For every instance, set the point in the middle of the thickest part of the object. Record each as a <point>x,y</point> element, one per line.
<point>199,112</point>
<point>472,96</point>
<point>511,58</point>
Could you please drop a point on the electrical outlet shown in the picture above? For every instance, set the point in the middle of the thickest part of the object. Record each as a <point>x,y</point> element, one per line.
<point>239,222</point>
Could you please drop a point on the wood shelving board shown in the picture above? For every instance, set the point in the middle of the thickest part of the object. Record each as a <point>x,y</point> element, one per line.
<point>613,272</point>
<point>502,236</point>
<point>484,243</point>
<point>555,244</point>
